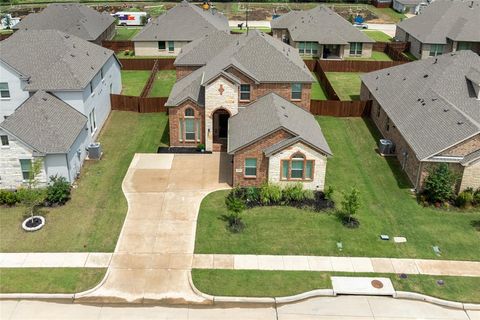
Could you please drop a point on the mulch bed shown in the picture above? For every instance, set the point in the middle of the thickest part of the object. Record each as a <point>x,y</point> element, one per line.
<point>181,150</point>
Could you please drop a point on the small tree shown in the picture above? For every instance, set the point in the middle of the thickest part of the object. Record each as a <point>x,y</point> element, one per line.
<point>32,198</point>
<point>439,184</point>
<point>350,205</point>
<point>235,206</point>
<point>7,21</point>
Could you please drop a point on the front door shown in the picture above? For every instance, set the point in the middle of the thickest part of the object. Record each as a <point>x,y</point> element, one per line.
<point>223,125</point>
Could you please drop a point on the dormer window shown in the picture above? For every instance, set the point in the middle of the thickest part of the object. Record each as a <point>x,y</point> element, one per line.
<point>245,92</point>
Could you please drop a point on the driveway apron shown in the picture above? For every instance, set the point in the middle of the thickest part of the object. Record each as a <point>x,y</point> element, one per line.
<point>154,253</point>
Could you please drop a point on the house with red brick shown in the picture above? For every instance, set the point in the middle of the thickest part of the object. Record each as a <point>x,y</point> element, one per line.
<point>430,110</point>
<point>220,76</point>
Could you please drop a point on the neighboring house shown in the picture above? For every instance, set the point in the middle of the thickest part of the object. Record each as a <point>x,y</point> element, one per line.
<point>407,6</point>
<point>72,18</point>
<point>46,128</point>
<point>274,140</point>
<point>80,73</point>
<point>222,75</point>
<point>168,33</point>
<point>430,109</point>
<point>321,32</point>
<point>443,26</point>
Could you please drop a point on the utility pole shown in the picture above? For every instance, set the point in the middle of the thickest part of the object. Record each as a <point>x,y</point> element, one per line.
<point>246,17</point>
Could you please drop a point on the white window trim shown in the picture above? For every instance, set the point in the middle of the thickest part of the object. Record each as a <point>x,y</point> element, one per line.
<point>93,125</point>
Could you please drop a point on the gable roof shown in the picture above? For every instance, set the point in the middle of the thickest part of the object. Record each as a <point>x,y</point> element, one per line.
<point>257,55</point>
<point>269,114</point>
<point>45,123</point>
<point>430,101</point>
<point>457,20</point>
<point>53,60</point>
<point>72,18</point>
<point>320,24</point>
<point>184,22</point>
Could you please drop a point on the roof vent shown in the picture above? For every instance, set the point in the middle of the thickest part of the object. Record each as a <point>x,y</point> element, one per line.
<point>67,36</point>
<point>285,115</point>
<point>404,79</point>
<point>44,98</point>
<point>91,67</point>
<point>446,110</point>
<point>388,73</point>
<point>88,53</point>
<point>436,60</point>
<point>460,123</point>
<point>434,99</point>
<point>425,75</point>
<point>72,55</point>
<point>419,99</point>
<point>376,77</point>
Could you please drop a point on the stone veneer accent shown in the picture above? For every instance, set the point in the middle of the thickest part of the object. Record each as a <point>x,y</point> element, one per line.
<point>320,168</point>
<point>214,100</point>
<point>255,150</point>
<point>10,170</point>
<point>471,177</point>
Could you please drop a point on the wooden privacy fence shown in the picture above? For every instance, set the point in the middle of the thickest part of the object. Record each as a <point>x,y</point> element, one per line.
<point>325,83</point>
<point>118,45</point>
<point>147,64</point>
<point>138,104</point>
<point>151,79</point>
<point>355,65</point>
<point>340,108</point>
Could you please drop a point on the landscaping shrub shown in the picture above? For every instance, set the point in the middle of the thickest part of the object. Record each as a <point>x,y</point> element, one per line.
<point>252,196</point>
<point>270,194</point>
<point>329,193</point>
<point>8,198</point>
<point>294,192</point>
<point>234,201</point>
<point>58,191</point>
<point>350,206</point>
<point>235,205</point>
<point>439,184</point>
<point>476,198</point>
<point>464,199</point>
<point>24,195</point>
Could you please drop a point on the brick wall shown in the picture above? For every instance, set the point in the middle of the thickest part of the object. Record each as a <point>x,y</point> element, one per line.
<point>174,116</point>
<point>255,151</point>
<point>183,71</point>
<point>471,177</point>
<point>464,148</point>
<point>282,89</point>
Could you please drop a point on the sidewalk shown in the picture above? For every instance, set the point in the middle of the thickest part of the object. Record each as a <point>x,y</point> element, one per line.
<point>339,264</point>
<point>125,260</point>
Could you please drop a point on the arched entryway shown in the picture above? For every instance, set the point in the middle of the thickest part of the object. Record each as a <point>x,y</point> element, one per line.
<point>220,129</point>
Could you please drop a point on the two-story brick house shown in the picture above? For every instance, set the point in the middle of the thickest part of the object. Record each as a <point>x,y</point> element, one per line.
<point>220,75</point>
<point>430,109</point>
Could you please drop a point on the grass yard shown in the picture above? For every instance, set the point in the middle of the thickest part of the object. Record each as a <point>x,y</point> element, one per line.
<point>92,219</point>
<point>256,283</point>
<point>244,30</point>
<point>317,92</point>
<point>49,280</point>
<point>410,56</point>
<point>125,33</point>
<point>376,56</point>
<point>393,15</point>
<point>388,207</point>
<point>133,81</point>
<point>164,81</point>
<point>378,36</point>
<point>345,84</point>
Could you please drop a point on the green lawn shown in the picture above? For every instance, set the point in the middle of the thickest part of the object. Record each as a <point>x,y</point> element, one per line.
<point>388,207</point>
<point>49,280</point>
<point>410,56</point>
<point>125,33</point>
<point>256,283</point>
<point>378,36</point>
<point>92,219</point>
<point>164,81</point>
<point>133,81</point>
<point>345,84</point>
<point>317,90</point>
<point>376,56</point>
<point>394,16</point>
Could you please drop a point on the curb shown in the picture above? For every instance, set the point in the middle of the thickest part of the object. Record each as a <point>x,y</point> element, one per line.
<point>440,302</point>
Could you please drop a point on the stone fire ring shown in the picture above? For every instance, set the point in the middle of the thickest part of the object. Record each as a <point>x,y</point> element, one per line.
<point>31,229</point>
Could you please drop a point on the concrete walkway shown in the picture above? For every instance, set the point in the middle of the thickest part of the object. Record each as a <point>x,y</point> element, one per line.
<point>55,260</point>
<point>338,308</point>
<point>154,253</point>
<point>340,264</point>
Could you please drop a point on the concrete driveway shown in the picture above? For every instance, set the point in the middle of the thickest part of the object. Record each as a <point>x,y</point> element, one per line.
<point>154,253</point>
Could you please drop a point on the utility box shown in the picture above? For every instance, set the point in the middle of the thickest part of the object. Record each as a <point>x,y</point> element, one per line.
<point>94,151</point>
<point>386,147</point>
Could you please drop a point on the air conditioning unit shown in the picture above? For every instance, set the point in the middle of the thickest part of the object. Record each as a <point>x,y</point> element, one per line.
<point>386,147</point>
<point>94,151</point>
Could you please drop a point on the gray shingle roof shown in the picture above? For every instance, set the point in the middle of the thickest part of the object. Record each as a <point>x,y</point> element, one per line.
<point>72,18</point>
<point>184,22</point>
<point>269,114</point>
<point>321,25</point>
<point>260,56</point>
<point>471,158</point>
<point>52,59</point>
<point>409,2</point>
<point>457,20</point>
<point>430,101</point>
<point>45,123</point>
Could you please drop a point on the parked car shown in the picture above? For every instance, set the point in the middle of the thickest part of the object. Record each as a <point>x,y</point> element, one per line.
<point>360,25</point>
